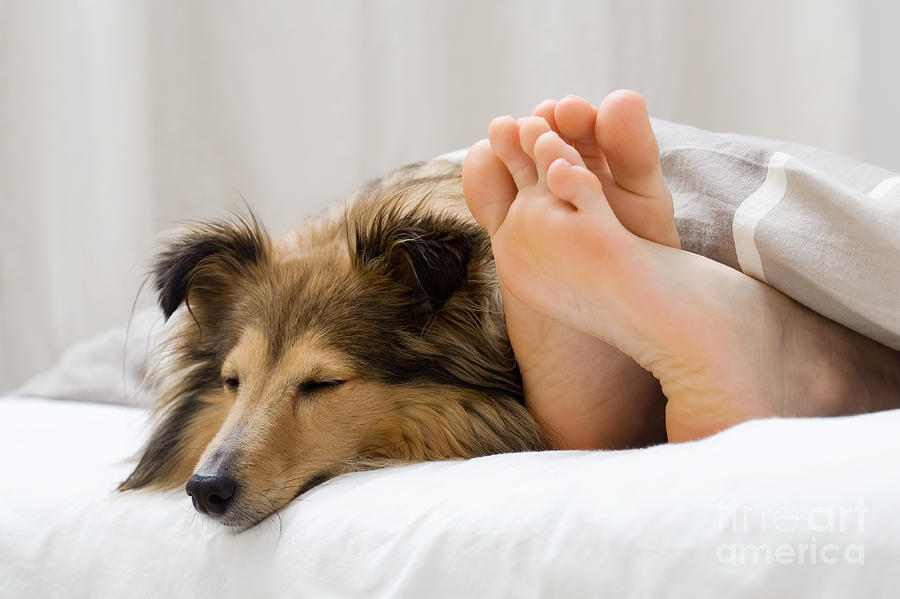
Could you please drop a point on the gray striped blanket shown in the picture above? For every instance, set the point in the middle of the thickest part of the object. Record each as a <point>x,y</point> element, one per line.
<point>821,228</point>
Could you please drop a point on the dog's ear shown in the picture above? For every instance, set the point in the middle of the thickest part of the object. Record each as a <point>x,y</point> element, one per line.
<point>201,264</point>
<point>428,254</point>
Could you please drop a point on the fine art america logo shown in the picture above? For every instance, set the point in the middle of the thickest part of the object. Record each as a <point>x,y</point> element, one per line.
<point>807,536</point>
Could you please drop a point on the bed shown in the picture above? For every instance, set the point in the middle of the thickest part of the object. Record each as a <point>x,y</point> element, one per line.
<point>773,508</point>
<point>811,511</point>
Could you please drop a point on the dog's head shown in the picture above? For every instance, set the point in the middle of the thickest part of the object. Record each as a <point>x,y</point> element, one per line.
<point>371,337</point>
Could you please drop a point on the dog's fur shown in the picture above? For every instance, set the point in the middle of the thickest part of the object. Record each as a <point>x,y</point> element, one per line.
<point>371,336</point>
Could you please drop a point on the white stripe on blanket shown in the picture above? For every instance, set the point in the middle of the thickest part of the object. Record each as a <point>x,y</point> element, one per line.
<point>753,210</point>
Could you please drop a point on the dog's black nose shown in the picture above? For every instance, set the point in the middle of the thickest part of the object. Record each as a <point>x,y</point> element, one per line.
<point>211,494</point>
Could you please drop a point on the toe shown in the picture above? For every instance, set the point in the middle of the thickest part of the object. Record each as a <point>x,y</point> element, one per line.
<point>625,137</point>
<point>503,134</point>
<point>577,185</point>
<point>546,110</point>
<point>488,186</point>
<point>548,147</point>
<point>576,120</point>
<point>530,129</point>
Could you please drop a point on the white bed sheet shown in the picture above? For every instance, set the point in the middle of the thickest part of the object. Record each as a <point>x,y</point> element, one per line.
<point>661,522</point>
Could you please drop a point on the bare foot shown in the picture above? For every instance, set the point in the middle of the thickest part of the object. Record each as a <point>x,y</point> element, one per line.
<point>585,393</point>
<point>725,347</point>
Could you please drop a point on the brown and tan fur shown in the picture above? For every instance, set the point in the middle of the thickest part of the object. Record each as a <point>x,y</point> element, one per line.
<point>371,336</point>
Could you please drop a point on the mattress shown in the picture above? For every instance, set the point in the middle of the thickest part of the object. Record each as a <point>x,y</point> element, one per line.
<point>774,508</point>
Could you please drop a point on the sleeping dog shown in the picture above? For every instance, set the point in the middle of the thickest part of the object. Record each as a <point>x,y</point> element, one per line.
<point>368,337</point>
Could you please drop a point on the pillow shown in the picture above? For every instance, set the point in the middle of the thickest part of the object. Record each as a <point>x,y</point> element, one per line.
<point>110,367</point>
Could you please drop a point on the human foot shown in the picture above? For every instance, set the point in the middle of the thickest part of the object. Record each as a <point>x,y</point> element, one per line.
<point>583,392</point>
<point>617,144</point>
<point>725,347</point>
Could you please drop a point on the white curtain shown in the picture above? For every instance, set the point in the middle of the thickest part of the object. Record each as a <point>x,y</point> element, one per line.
<point>120,118</point>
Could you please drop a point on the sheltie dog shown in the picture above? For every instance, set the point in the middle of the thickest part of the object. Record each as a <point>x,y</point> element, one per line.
<point>371,336</point>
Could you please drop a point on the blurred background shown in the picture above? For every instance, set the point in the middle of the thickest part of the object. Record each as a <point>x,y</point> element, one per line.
<point>118,119</point>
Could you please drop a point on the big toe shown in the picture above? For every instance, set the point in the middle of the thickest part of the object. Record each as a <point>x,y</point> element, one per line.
<point>488,186</point>
<point>626,138</point>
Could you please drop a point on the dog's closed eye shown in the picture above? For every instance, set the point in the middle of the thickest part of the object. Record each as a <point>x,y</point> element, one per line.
<point>310,387</point>
<point>231,383</point>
